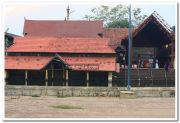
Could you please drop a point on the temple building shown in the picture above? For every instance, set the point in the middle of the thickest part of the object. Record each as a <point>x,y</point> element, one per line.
<point>153,38</point>
<point>83,53</point>
<point>60,61</point>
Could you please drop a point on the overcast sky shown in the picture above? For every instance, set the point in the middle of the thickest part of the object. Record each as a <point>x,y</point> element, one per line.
<point>15,13</point>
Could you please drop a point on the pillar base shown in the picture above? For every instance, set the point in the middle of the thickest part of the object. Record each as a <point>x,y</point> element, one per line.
<point>26,83</point>
<point>110,79</point>
<point>66,84</point>
<point>46,84</point>
<point>87,84</point>
<point>109,84</point>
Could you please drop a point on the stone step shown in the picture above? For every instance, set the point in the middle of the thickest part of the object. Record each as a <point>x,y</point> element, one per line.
<point>128,94</point>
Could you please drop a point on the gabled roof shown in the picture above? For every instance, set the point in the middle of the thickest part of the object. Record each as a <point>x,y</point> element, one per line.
<point>61,28</point>
<point>26,62</point>
<point>61,45</point>
<point>154,30</point>
<point>74,63</point>
<point>155,17</point>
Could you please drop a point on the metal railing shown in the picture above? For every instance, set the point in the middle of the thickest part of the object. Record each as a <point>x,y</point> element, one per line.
<point>146,77</point>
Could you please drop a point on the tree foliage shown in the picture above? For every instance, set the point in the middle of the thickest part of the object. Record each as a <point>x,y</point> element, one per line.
<point>118,24</point>
<point>116,16</point>
<point>173,28</point>
<point>8,42</point>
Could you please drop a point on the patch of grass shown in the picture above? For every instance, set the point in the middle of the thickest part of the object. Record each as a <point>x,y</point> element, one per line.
<point>65,106</point>
<point>59,96</point>
<point>35,95</point>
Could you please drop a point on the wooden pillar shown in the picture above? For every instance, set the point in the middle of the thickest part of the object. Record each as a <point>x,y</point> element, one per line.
<point>26,77</point>
<point>172,54</point>
<point>174,63</point>
<point>63,78</point>
<point>46,75</point>
<point>52,77</point>
<point>109,79</point>
<point>67,77</point>
<point>87,79</point>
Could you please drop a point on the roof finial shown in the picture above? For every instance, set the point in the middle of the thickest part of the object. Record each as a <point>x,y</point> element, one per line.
<point>7,30</point>
<point>68,10</point>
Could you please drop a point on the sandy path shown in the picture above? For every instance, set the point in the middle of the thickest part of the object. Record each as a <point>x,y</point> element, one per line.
<point>99,107</point>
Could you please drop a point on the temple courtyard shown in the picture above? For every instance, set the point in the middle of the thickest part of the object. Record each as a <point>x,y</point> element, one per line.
<point>88,107</point>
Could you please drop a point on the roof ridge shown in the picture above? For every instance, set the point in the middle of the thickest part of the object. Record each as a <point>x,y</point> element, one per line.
<point>162,21</point>
<point>55,37</point>
<point>68,20</point>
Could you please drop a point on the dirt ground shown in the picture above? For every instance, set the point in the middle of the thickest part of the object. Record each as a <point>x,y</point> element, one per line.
<point>89,107</point>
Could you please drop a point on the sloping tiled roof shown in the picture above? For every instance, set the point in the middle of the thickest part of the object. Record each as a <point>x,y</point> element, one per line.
<point>115,35</point>
<point>91,63</point>
<point>153,19</point>
<point>61,28</point>
<point>75,63</point>
<point>61,45</point>
<point>26,62</point>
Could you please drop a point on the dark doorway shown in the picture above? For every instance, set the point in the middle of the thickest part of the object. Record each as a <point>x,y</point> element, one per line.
<point>15,77</point>
<point>77,78</point>
<point>36,78</point>
<point>98,78</point>
<point>55,78</point>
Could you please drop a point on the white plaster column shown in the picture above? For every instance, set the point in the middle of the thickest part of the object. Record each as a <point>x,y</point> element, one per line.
<point>46,81</point>
<point>109,79</point>
<point>67,77</point>
<point>87,79</point>
<point>26,77</point>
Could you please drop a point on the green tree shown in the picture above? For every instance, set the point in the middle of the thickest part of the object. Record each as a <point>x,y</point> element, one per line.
<point>7,43</point>
<point>137,17</point>
<point>173,28</point>
<point>116,16</point>
<point>118,24</point>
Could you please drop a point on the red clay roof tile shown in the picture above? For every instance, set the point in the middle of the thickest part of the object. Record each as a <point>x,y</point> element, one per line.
<point>75,63</point>
<point>61,28</point>
<point>26,62</point>
<point>115,35</point>
<point>61,45</point>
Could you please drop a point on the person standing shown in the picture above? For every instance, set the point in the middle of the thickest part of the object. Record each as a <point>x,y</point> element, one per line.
<point>156,64</point>
<point>138,61</point>
<point>166,66</point>
<point>151,61</point>
<point>141,63</point>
